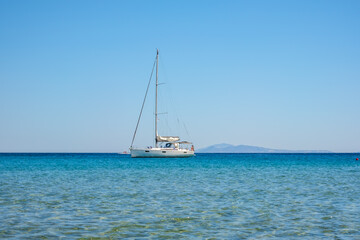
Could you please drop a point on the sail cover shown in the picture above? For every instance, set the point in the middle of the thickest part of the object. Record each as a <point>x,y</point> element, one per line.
<point>167,138</point>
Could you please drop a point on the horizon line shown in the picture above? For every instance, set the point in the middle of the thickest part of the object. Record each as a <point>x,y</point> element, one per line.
<point>127,153</point>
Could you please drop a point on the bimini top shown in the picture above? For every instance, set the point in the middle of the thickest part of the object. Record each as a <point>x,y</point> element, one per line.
<point>185,142</point>
<point>167,138</point>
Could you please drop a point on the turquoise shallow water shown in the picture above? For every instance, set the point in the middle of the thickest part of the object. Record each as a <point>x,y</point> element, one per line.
<point>220,196</point>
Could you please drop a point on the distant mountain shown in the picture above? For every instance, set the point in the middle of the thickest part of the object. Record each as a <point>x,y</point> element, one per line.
<point>228,148</point>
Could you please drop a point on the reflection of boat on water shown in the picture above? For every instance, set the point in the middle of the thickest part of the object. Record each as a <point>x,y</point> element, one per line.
<point>165,146</point>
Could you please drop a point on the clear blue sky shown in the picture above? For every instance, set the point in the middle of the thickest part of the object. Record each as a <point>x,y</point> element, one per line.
<point>277,74</point>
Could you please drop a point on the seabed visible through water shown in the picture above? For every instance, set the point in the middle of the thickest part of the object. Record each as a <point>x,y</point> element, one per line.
<point>221,196</point>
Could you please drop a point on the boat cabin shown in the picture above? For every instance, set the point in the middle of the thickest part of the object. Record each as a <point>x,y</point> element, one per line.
<point>177,145</point>
<point>172,145</point>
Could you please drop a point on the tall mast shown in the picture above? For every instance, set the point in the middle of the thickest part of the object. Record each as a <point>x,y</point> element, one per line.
<point>156,90</point>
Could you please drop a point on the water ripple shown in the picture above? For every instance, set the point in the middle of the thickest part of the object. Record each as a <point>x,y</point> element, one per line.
<point>226,196</point>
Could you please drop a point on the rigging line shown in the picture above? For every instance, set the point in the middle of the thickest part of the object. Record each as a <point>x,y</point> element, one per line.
<point>142,107</point>
<point>187,132</point>
<point>168,96</point>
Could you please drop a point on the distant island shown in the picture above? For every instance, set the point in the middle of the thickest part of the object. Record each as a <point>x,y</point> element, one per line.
<point>228,148</point>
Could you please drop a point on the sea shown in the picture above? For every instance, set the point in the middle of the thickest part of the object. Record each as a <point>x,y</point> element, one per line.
<point>209,196</point>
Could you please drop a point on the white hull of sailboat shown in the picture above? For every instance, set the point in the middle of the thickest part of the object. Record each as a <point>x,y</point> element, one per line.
<point>161,153</point>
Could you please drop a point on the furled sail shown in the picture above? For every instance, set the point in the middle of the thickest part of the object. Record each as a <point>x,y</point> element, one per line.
<point>167,138</point>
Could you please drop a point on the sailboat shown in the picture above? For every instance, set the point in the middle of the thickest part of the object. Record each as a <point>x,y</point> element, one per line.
<point>165,146</point>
